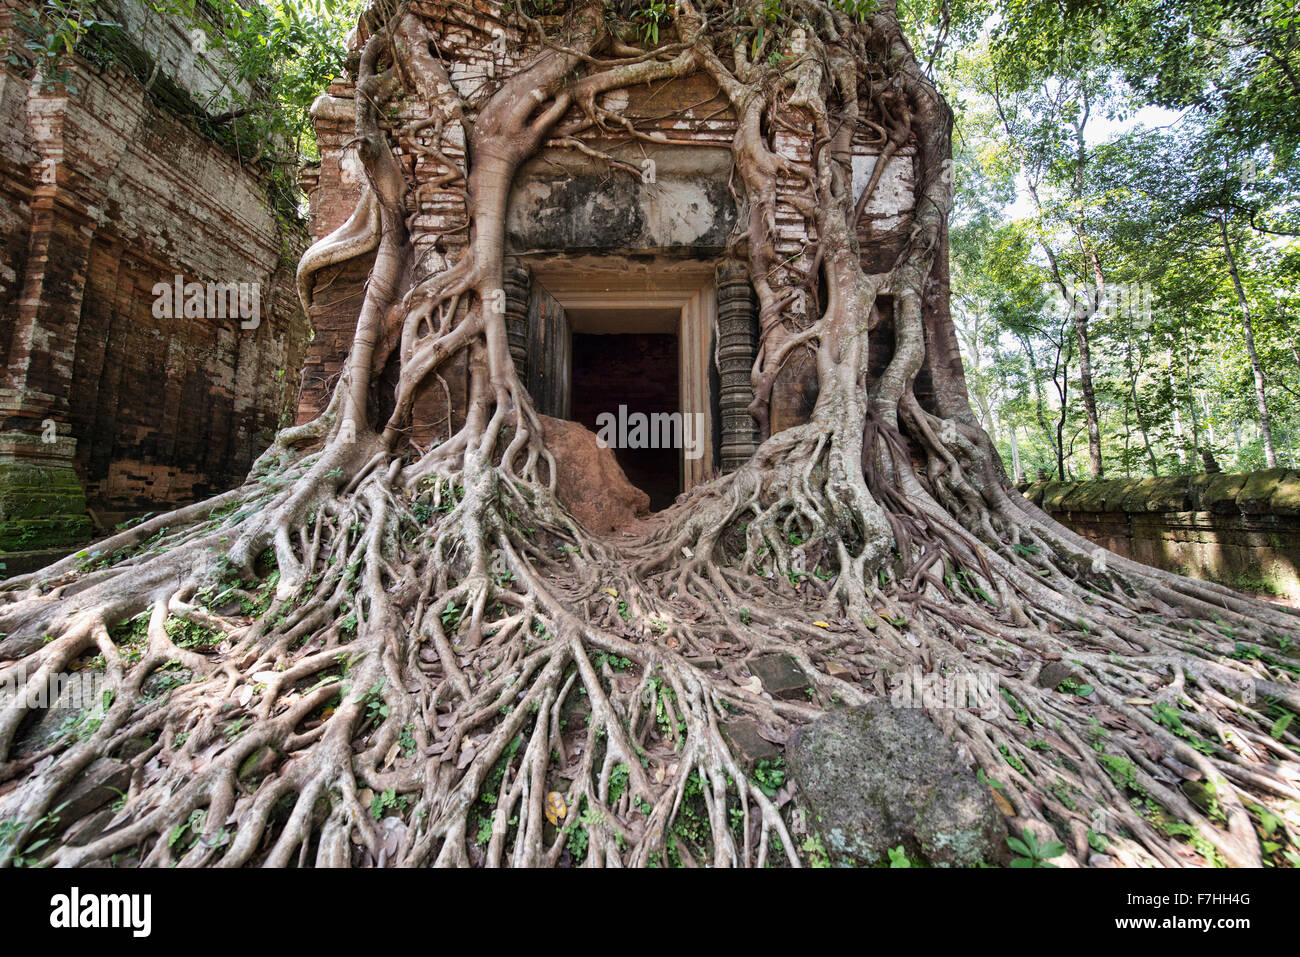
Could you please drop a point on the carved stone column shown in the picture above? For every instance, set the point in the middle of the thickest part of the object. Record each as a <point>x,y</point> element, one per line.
<point>737,347</point>
<point>518,283</point>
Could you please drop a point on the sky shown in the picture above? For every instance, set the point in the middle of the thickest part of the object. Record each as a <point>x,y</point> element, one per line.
<point>1100,130</point>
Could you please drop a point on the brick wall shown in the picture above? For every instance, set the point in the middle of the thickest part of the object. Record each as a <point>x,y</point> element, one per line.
<point>105,193</point>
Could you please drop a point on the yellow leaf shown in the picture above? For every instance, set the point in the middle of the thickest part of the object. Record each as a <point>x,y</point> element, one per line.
<point>820,624</point>
<point>1003,804</point>
<point>610,591</point>
<point>555,809</point>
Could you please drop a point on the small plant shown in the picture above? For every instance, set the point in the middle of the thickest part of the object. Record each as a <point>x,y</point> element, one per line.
<point>1171,718</point>
<point>388,800</point>
<point>769,775</point>
<point>191,829</point>
<point>651,15</point>
<point>451,616</point>
<point>376,709</point>
<point>407,740</point>
<point>1074,686</point>
<point>1033,854</point>
<point>816,851</point>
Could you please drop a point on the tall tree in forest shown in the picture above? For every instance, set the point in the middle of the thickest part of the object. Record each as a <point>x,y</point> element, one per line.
<point>1046,126</point>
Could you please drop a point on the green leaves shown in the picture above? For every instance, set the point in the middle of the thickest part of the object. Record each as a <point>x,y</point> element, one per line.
<point>1033,854</point>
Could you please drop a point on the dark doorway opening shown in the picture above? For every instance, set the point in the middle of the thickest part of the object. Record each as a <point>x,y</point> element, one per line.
<point>639,372</point>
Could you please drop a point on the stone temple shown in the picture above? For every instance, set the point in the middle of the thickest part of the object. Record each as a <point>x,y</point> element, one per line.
<point>110,189</point>
<point>621,290</point>
<point>623,297</point>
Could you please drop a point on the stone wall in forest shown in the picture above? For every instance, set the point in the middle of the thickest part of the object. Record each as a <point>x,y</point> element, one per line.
<point>1241,530</point>
<point>113,403</point>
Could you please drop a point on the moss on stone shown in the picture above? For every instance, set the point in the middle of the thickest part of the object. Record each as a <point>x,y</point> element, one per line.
<point>1286,494</point>
<point>1217,493</point>
<point>1101,496</point>
<point>1168,493</point>
<point>41,507</point>
<point>1257,491</point>
<point>1053,493</point>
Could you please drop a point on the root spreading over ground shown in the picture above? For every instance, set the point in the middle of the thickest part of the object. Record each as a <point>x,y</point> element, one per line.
<point>371,653</point>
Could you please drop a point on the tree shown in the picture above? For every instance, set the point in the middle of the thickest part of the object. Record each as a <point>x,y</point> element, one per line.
<point>406,604</point>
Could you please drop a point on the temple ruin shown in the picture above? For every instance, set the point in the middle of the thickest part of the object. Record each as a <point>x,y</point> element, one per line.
<point>620,287</point>
<point>112,406</point>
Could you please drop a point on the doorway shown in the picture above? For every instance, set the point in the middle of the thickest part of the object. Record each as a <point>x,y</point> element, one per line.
<point>631,380</point>
<point>604,333</point>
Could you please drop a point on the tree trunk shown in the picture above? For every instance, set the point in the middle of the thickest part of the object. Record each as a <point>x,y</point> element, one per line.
<point>1256,368</point>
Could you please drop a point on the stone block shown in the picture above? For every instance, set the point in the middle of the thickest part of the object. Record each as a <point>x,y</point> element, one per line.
<point>781,677</point>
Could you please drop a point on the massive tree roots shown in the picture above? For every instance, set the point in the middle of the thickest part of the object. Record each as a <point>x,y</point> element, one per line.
<point>375,654</point>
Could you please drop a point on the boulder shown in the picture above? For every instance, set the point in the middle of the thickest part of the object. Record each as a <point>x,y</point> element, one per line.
<point>877,776</point>
<point>589,480</point>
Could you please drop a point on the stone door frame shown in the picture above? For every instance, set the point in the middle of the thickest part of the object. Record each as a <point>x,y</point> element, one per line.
<point>689,289</point>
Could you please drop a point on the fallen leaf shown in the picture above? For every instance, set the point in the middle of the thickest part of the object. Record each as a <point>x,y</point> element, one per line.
<point>768,733</point>
<point>391,756</point>
<point>1003,804</point>
<point>610,591</point>
<point>820,624</point>
<point>265,677</point>
<point>555,808</point>
<point>466,757</point>
<point>753,685</point>
<point>244,695</point>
